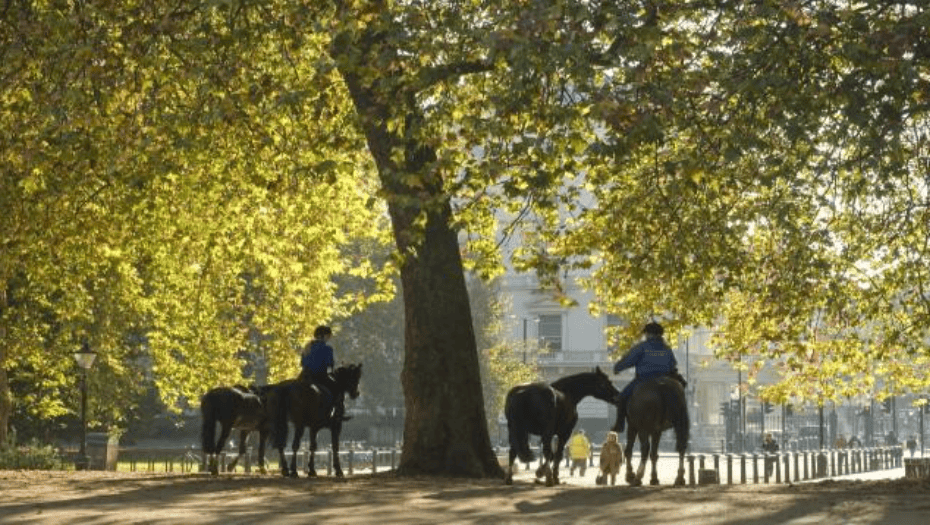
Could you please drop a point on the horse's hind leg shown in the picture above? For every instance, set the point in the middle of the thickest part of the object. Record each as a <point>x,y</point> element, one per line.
<point>311,464</point>
<point>549,467</point>
<point>295,446</point>
<point>262,438</point>
<point>220,443</point>
<point>680,480</point>
<point>643,457</point>
<point>243,443</point>
<point>559,452</point>
<point>654,456</point>
<point>508,477</point>
<point>543,459</point>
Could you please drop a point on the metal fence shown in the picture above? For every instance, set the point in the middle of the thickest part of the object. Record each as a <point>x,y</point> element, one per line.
<point>193,460</point>
<point>789,467</point>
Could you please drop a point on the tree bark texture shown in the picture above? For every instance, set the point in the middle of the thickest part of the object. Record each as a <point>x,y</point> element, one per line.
<point>6,403</point>
<point>445,428</point>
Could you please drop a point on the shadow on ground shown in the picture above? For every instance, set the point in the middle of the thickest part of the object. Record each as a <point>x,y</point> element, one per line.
<point>122,498</point>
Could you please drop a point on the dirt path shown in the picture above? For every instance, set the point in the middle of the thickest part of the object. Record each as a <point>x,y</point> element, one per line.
<point>122,498</point>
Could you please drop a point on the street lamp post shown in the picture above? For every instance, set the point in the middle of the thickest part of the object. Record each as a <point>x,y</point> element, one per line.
<point>85,359</point>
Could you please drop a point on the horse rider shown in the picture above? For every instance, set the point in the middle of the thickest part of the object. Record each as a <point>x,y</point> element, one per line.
<point>652,358</point>
<point>317,361</point>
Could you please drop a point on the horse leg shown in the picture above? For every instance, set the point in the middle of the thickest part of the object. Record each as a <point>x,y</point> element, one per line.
<point>225,429</point>
<point>628,452</point>
<point>559,453</point>
<point>544,470</point>
<point>508,476</point>
<point>643,458</point>
<point>262,436</point>
<point>654,456</point>
<point>543,462</point>
<point>311,464</point>
<point>243,443</point>
<point>680,480</point>
<point>295,445</point>
<point>334,431</point>
<point>550,466</point>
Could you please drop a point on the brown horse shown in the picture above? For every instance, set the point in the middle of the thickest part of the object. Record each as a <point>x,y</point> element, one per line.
<point>655,406</point>
<point>306,404</point>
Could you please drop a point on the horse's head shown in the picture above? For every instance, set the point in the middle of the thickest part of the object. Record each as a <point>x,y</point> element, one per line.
<point>604,389</point>
<point>348,377</point>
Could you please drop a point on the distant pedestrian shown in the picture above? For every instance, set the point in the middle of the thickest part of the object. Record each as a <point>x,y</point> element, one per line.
<point>840,446</point>
<point>579,449</point>
<point>770,447</point>
<point>912,445</point>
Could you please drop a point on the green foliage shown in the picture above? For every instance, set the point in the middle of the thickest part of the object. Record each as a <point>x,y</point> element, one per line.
<point>180,186</point>
<point>31,456</point>
<point>169,201</point>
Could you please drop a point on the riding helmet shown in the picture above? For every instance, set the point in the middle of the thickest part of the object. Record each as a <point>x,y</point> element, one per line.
<point>653,328</point>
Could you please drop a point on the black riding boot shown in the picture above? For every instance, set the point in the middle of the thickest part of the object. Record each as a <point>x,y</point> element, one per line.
<point>621,414</point>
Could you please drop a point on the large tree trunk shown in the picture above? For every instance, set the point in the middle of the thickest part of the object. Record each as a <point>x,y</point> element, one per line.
<point>6,404</point>
<point>445,430</point>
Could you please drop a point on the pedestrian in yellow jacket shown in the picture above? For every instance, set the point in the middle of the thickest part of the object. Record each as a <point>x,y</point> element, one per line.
<point>579,449</point>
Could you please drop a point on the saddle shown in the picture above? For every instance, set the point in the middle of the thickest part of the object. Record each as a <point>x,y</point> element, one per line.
<point>676,375</point>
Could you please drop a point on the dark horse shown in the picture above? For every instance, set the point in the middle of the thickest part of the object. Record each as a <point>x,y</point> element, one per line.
<point>547,411</point>
<point>237,407</point>
<point>655,406</point>
<point>308,405</point>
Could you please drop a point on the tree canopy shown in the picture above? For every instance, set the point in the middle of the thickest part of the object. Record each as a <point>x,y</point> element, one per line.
<point>186,171</point>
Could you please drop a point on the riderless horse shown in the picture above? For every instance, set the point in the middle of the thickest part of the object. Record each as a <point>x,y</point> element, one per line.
<point>550,410</point>
<point>236,407</point>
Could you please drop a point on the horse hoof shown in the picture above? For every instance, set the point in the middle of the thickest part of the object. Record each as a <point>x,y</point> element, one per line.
<point>508,481</point>
<point>653,482</point>
<point>634,482</point>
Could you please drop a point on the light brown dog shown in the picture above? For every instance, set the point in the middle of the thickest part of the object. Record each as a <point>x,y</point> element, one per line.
<point>611,459</point>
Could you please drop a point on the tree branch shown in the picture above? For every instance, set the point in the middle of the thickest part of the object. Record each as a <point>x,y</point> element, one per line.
<point>435,75</point>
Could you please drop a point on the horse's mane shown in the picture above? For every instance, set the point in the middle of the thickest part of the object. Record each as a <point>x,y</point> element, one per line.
<point>567,382</point>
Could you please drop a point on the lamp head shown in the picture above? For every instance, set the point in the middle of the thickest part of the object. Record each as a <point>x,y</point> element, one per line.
<point>85,356</point>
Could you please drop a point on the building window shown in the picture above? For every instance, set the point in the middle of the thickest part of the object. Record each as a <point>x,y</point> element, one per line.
<point>550,332</point>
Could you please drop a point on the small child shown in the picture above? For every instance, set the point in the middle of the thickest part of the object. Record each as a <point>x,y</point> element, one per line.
<point>611,459</point>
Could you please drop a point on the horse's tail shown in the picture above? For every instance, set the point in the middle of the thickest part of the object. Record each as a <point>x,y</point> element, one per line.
<point>517,434</point>
<point>208,428</point>
<point>677,411</point>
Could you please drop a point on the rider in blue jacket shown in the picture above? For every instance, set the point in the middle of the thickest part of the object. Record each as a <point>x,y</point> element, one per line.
<point>318,361</point>
<point>652,358</point>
